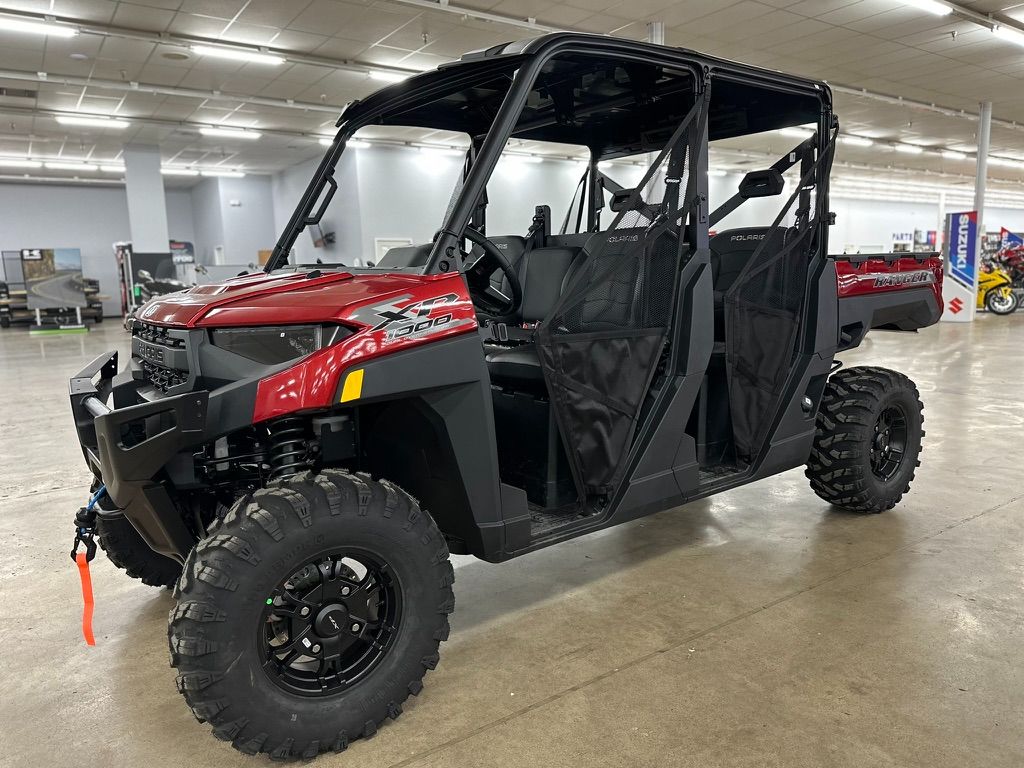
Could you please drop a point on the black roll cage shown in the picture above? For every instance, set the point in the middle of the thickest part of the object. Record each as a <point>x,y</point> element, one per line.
<point>531,55</point>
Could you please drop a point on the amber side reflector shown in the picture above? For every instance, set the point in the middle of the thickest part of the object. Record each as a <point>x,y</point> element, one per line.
<point>353,387</point>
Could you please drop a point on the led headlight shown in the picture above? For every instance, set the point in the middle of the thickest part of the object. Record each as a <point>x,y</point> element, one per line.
<point>274,344</point>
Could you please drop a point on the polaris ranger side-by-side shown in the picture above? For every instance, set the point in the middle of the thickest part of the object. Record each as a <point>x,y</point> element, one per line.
<point>299,450</point>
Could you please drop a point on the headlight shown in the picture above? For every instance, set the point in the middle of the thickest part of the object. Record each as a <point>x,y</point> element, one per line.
<point>274,344</point>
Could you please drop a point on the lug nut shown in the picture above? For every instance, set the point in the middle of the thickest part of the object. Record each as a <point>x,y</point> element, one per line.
<point>355,627</point>
<point>304,611</point>
<point>315,649</point>
<point>345,590</point>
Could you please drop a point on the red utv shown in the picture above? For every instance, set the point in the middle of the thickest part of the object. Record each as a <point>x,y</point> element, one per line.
<point>299,450</point>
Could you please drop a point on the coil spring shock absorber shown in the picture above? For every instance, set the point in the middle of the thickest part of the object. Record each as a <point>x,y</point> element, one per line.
<point>288,446</point>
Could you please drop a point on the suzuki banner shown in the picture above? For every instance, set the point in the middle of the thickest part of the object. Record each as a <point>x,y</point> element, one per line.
<point>1008,239</point>
<point>960,257</point>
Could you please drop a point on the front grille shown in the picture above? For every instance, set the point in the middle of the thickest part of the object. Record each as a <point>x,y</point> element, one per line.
<point>163,378</point>
<point>156,334</point>
<point>162,354</point>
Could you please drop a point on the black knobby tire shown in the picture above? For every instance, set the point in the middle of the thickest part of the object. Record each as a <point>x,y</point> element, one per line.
<point>125,548</point>
<point>215,630</point>
<point>848,466</point>
<point>997,304</point>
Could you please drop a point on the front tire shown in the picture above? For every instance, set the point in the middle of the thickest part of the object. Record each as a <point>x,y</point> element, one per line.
<point>311,612</point>
<point>125,548</point>
<point>1001,301</point>
<point>867,440</point>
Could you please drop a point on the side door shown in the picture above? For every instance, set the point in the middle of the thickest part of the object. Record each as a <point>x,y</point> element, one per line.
<point>606,338</point>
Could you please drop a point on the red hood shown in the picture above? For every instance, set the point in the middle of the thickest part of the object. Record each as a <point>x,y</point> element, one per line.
<point>262,299</point>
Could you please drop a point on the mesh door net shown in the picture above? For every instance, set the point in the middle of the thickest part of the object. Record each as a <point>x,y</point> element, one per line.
<point>602,342</point>
<point>763,314</point>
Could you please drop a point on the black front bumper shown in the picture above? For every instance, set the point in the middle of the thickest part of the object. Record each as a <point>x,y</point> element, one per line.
<point>127,447</point>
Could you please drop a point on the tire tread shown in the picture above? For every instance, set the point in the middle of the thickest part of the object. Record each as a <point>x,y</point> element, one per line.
<point>835,467</point>
<point>216,564</point>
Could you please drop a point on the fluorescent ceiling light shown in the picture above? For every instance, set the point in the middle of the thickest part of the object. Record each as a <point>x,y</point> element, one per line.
<point>13,162</point>
<point>930,6</point>
<point>951,154</point>
<point>92,121</point>
<point>230,133</point>
<point>1009,34</point>
<point>112,168</point>
<point>357,144</point>
<point>236,54</point>
<point>71,166</point>
<point>35,27</point>
<point>447,151</point>
<point>524,158</point>
<point>1005,162</point>
<point>325,141</point>
<point>222,174</point>
<point>387,77</point>
<point>716,172</point>
<point>179,172</point>
<point>856,141</point>
<point>910,149</point>
<point>800,133</point>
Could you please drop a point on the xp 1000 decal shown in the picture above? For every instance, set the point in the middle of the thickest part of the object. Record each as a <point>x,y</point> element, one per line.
<point>405,318</point>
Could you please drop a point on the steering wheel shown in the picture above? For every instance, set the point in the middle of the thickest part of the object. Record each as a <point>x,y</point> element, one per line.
<point>486,298</point>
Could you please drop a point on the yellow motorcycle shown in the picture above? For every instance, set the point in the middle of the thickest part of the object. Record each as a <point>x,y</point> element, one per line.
<point>995,290</point>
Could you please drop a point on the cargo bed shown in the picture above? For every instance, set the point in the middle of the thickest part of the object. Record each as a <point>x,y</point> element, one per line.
<point>889,291</point>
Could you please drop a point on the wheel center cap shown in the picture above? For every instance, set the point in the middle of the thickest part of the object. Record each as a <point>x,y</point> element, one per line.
<point>331,620</point>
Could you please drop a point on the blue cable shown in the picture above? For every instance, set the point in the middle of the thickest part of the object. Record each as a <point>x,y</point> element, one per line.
<point>96,497</point>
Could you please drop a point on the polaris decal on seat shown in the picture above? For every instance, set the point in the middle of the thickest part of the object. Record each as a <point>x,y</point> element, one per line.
<point>754,236</point>
<point>624,239</point>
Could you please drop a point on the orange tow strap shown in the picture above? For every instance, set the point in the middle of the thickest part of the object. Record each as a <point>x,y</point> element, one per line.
<point>83,572</point>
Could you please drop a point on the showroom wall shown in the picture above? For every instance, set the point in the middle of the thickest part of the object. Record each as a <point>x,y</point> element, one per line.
<point>236,214</point>
<point>342,216</point>
<point>88,218</point>
<point>209,227</point>
<point>384,192</point>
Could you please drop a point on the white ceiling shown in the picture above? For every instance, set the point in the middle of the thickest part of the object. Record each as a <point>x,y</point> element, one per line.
<point>879,45</point>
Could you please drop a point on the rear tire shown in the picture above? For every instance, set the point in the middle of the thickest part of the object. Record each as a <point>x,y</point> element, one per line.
<point>999,304</point>
<point>284,553</point>
<point>868,439</point>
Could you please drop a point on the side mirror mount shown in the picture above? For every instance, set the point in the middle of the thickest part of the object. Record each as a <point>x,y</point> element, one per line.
<point>766,183</point>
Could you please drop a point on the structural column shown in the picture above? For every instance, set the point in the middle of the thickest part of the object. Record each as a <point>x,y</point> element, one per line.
<point>962,248</point>
<point>147,208</point>
<point>656,32</point>
<point>981,178</point>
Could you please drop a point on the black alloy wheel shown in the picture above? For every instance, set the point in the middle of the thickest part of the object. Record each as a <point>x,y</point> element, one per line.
<point>330,623</point>
<point>889,444</point>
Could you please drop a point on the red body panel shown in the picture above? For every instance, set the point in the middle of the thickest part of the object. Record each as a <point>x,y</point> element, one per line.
<point>875,276</point>
<point>389,312</point>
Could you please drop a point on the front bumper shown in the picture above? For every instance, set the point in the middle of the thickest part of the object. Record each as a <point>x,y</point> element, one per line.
<point>127,447</point>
